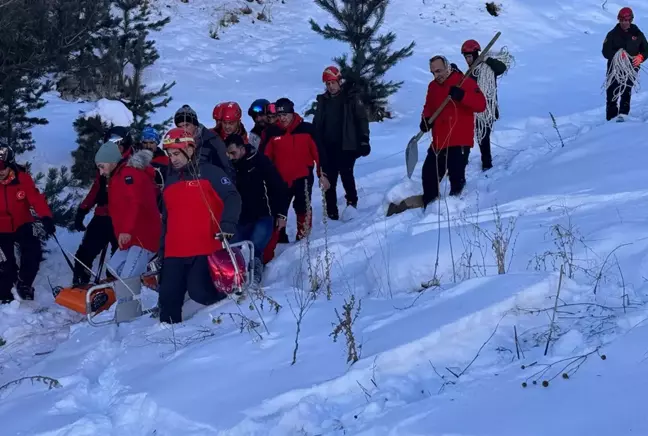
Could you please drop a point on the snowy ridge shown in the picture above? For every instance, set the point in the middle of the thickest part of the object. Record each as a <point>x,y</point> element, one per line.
<point>434,362</point>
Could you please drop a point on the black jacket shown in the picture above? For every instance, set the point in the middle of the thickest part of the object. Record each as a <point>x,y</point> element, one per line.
<point>211,149</point>
<point>263,192</point>
<point>355,125</point>
<point>633,42</point>
<point>498,68</point>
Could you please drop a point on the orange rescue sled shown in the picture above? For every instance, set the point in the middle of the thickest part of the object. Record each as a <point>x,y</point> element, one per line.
<point>90,300</point>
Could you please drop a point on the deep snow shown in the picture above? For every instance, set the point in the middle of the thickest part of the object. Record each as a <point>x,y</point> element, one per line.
<point>435,362</point>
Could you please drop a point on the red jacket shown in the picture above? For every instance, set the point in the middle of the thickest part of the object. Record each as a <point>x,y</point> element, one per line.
<point>197,206</point>
<point>132,195</point>
<point>18,195</point>
<point>241,132</point>
<point>292,150</point>
<point>97,196</point>
<point>455,125</point>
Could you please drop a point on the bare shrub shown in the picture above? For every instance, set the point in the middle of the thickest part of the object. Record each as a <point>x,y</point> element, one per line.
<point>345,326</point>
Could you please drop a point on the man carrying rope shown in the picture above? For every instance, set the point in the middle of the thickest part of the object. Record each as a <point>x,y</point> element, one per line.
<point>625,48</point>
<point>453,130</point>
<point>485,74</point>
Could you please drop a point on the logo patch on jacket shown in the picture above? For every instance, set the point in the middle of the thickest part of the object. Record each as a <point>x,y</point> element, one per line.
<point>128,180</point>
<point>226,181</point>
<point>20,195</point>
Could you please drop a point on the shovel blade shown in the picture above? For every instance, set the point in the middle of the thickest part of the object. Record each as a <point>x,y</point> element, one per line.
<point>411,156</point>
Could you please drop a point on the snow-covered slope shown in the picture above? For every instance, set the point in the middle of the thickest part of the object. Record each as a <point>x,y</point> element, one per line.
<point>435,362</point>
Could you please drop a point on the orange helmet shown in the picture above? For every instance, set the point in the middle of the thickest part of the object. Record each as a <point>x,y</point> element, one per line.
<point>331,74</point>
<point>178,138</point>
<point>231,112</point>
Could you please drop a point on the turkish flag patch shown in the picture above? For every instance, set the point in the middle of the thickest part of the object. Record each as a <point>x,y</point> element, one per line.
<point>20,195</point>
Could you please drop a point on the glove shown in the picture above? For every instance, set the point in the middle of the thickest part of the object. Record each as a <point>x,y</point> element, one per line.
<point>364,149</point>
<point>48,225</point>
<point>637,60</point>
<point>456,93</point>
<point>224,236</point>
<point>424,125</point>
<point>78,220</point>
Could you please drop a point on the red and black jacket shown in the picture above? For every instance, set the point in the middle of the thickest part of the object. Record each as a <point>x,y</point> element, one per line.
<point>132,201</point>
<point>18,196</point>
<point>293,150</point>
<point>198,204</point>
<point>455,125</point>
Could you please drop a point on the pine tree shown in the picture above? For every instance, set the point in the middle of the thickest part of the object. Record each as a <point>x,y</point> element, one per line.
<point>87,71</point>
<point>23,62</point>
<point>90,132</point>
<point>62,198</point>
<point>371,55</point>
<point>139,52</point>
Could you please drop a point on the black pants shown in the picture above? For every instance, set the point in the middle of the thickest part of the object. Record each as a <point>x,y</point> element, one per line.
<point>485,149</point>
<point>182,274</point>
<point>301,194</point>
<point>97,236</point>
<point>452,159</point>
<point>341,165</point>
<point>612,107</point>
<point>31,255</point>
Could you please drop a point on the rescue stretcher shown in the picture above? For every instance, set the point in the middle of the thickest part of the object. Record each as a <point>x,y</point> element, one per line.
<point>231,269</point>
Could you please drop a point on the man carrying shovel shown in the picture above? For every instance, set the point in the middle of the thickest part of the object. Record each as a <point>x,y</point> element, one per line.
<point>453,129</point>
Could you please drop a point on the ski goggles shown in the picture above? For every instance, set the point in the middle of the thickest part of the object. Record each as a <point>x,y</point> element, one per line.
<point>116,139</point>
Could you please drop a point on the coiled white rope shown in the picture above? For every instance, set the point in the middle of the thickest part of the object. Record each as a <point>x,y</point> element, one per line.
<point>623,73</point>
<point>488,84</point>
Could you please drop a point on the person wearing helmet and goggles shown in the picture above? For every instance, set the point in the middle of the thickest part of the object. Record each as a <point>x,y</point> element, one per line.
<point>258,111</point>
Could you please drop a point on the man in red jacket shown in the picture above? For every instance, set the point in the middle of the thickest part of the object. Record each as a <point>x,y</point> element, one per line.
<point>290,144</point>
<point>201,208</point>
<point>454,129</point>
<point>18,195</point>
<point>99,231</point>
<point>132,206</point>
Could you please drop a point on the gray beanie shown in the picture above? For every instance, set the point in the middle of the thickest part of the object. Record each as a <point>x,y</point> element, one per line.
<point>108,153</point>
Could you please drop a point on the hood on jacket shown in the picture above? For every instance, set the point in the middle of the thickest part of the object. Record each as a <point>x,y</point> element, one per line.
<point>140,159</point>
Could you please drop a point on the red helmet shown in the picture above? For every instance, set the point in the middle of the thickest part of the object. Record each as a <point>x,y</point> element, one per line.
<point>231,112</point>
<point>217,113</point>
<point>331,73</point>
<point>470,46</point>
<point>178,138</point>
<point>625,13</point>
<point>226,277</point>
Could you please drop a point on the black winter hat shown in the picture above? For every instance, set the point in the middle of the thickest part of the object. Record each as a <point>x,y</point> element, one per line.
<point>234,139</point>
<point>186,115</point>
<point>284,106</point>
